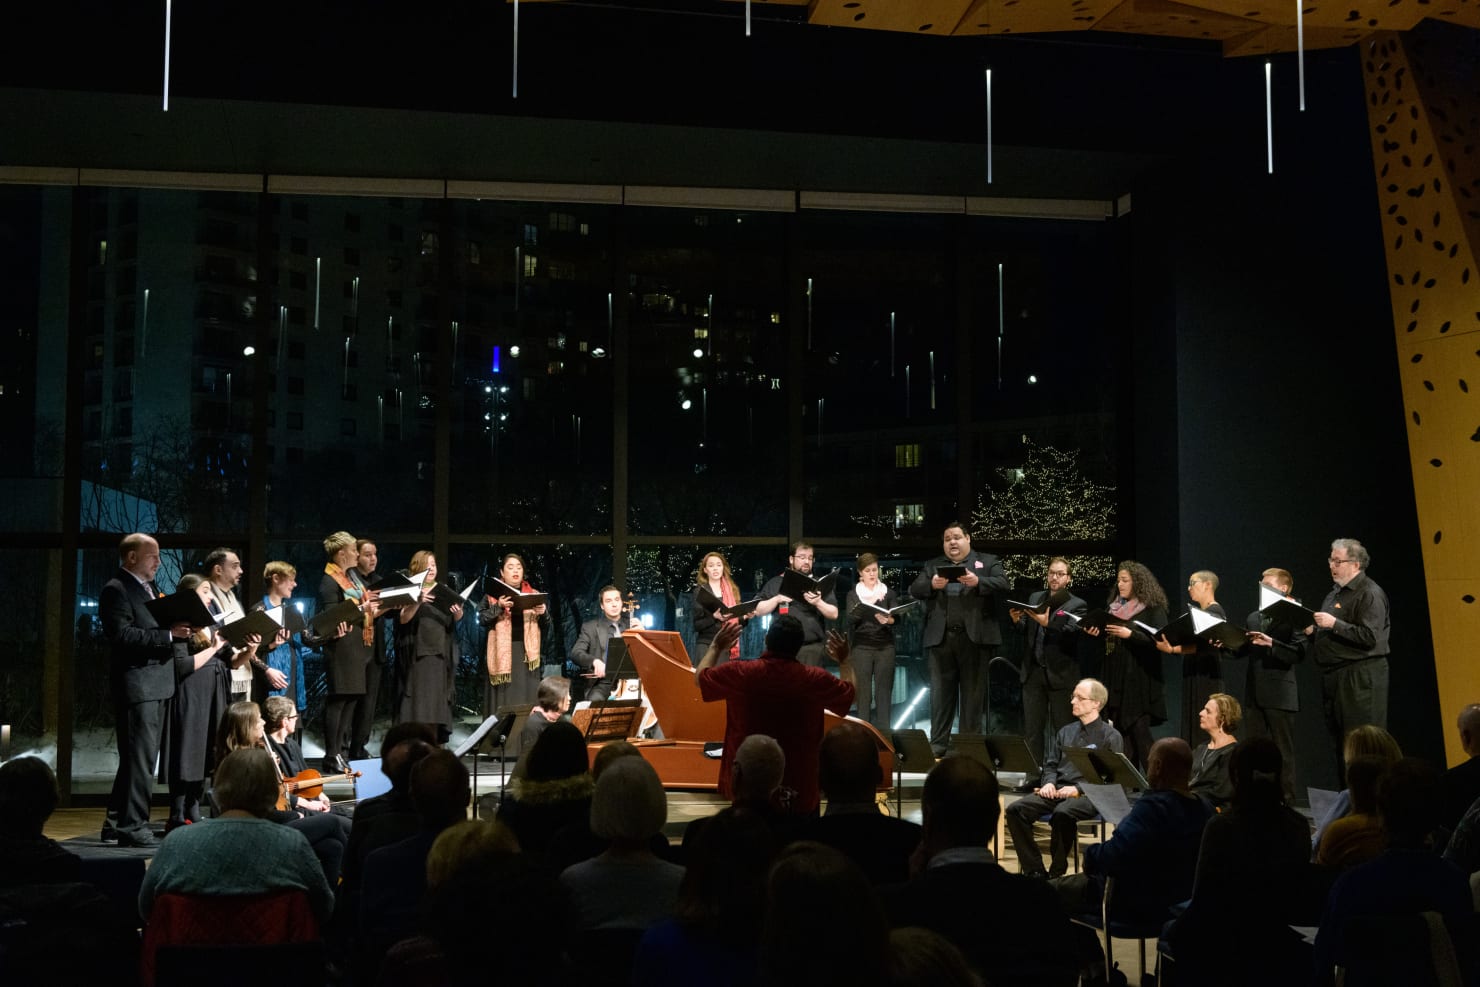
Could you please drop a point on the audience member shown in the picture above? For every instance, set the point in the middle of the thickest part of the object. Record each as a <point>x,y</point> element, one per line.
<point>575,842</point>
<point>1250,884</point>
<point>1462,782</point>
<point>1368,739</point>
<point>550,791</point>
<point>1058,794</point>
<point>850,774</point>
<point>626,886</point>
<point>240,851</point>
<point>920,956</point>
<point>1011,928</point>
<point>755,780</point>
<point>780,697</point>
<point>1356,837</point>
<point>28,797</point>
<point>1407,879</point>
<point>823,924</point>
<point>390,817</point>
<point>713,937</point>
<point>1152,855</point>
<point>1219,719</point>
<point>1463,850</point>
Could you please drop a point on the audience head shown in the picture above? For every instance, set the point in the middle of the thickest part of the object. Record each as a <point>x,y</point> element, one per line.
<point>1255,768</point>
<point>848,764</point>
<point>785,636</point>
<point>1372,740</point>
<point>921,956</point>
<point>276,710</point>
<point>28,796</point>
<point>559,753</point>
<point>1363,774</point>
<point>1406,797</point>
<point>809,880</point>
<point>404,731</point>
<point>758,768</point>
<point>1469,729</point>
<point>1169,765</point>
<point>959,805</point>
<point>472,846</point>
<point>554,694</point>
<point>401,760</point>
<point>724,883</point>
<point>439,789</point>
<point>246,780</point>
<point>609,753</point>
<point>628,806</point>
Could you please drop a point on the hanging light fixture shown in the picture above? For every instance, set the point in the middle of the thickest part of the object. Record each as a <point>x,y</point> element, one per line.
<point>168,18</point>
<point>1269,114</point>
<point>989,126</point>
<point>516,49</point>
<point>1300,48</point>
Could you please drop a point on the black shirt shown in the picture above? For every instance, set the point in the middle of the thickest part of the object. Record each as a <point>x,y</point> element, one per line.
<point>1097,734</point>
<point>1362,623</point>
<point>814,628</point>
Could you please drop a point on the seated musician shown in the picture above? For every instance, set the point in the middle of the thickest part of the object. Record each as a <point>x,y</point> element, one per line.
<point>1058,792</point>
<point>553,702</point>
<point>281,718</point>
<point>594,640</point>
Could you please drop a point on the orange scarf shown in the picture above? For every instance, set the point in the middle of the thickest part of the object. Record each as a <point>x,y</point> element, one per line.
<point>353,589</point>
<point>500,655</point>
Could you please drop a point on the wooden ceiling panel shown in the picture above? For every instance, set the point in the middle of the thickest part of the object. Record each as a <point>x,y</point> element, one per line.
<point>1465,12</point>
<point>1281,38</point>
<point>908,16</point>
<point>1177,20</point>
<point>1263,11</point>
<point>1033,16</point>
<point>1371,15</point>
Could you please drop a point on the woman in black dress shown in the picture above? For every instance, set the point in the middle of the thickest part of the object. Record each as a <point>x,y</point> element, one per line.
<point>1132,669</point>
<point>347,650</point>
<point>871,637</point>
<point>426,649</point>
<point>513,650</point>
<point>1202,672</point>
<point>202,693</point>
<point>714,579</point>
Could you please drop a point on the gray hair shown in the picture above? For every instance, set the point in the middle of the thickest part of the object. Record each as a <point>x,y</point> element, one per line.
<point>1354,551</point>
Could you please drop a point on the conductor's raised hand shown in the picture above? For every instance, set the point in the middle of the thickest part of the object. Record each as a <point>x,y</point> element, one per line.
<point>837,647</point>
<point>728,634</point>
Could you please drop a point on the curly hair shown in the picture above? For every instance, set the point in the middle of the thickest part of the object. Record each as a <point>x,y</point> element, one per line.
<point>1144,586</point>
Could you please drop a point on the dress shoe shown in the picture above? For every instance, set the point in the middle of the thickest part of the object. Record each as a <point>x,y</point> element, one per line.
<point>109,835</point>
<point>144,841</point>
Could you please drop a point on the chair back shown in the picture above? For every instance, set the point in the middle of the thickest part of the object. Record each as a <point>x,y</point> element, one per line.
<point>269,918</point>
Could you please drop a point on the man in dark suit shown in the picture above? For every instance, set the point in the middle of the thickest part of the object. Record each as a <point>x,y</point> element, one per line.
<point>141,676</point>
<point>849,773</point>
<point>960,632</point>
<point>1051,662</point>
<point>589,654</point>
<point>1010,927</point>
<point>1272,697</point>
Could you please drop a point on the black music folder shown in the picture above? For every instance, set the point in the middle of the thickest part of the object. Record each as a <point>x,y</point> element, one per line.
<point>399,590</point>
<point>1100,619</point>
<point>1283,609</point>
<point>1106,767</point>
<point>706,599</point>
<point>798,584</point>
<point>950,573</point>
<point>1051,603</point>
<point>522,601</point>
<point>325,622</point>
<point>259,622</point>
<point>861,609</point>
<point>181,607</point>
<point>1199,625</point>
<point>444,598</point>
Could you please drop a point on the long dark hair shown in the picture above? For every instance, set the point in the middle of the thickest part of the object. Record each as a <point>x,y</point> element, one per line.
<point>1144,586</point>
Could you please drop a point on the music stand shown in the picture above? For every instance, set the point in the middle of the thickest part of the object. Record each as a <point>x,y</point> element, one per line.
<point>1106,767</point>
<point>912,752</point>
<point>496,732</point>
<point>610,719</point>
<point>973,746</point>
<point>1010,754</point>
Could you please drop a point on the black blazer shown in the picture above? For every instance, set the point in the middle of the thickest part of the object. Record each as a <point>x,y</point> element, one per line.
<point>980,616</point>
<point>141,654</point>
<point>1272,682</point>
<point>1060,642</point>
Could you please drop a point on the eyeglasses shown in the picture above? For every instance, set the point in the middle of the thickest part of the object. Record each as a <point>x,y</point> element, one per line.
<point>1083,699</point>
<point>1056,572</point>
<point>1336,561</point>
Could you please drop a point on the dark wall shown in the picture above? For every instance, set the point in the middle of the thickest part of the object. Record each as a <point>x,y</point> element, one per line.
<point>1288,417</point>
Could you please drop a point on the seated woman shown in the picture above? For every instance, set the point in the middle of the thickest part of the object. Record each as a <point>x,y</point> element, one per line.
<point>238,852</point>
<point>1362,741</point>
<point>1357,837</point>
<point>627,886</point>
<point>243,727</point>
<point>1219,718</point>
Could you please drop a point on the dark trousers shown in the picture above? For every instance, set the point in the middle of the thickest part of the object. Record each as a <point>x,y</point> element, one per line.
<point>873,666</point>
<point>1353,694</point>
<point>956,665</point>
<point>328,839</point>
<point>1137,737</point>
<point>139,727</point>
<point>339,715</point>
<point>1045,709</point>
<point>812,654</point>
<point>1279,726</point>
<point>185,799</point>
<point>365,708</point>
<point>1063,826</point>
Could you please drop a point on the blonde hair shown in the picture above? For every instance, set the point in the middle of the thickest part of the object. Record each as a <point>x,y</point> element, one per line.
<point>1230,713</point>
<point>467,844</point>
<point>338,542</point>
<point>421,560</point>
<point>277,570</point>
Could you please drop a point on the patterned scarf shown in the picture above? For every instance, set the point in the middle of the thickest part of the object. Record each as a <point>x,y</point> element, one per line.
<point>729,595</point>
<point>353,589</point>
<point>501,643</point>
